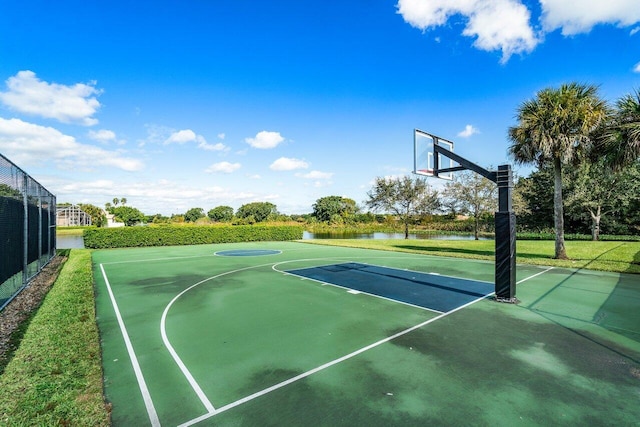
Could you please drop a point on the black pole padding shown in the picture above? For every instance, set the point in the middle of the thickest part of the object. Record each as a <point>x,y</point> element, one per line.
<point>505,257</point>
<point>505,287</point>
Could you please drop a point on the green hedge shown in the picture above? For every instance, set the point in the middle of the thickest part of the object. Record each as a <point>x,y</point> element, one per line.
<point>125,237</point>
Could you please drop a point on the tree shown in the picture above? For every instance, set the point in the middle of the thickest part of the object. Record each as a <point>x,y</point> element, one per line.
<point>600,190</point>
<point>474,194</point>
<point>404,197</point>
<point>193,214</point>
<point>98,218</point>
<point>558,127</point>
<point>128,215</point>
<point>123,201</point>
<point>536,192</point>
<point>327,208</point>
<point>115,201</point>
<point>621,140</point>
<point>157,219</point>
<point>259,211</point>
<point>7,191</point>
<point>221,214</point>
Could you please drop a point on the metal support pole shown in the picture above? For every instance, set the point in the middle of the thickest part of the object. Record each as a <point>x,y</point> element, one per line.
<point>505,238</point>
<point>25,229</point>
<point>40,264</point>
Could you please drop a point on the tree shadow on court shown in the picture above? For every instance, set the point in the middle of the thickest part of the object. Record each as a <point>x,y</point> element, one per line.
<point>173,285</point>
<point>490,350</point>
<point>620,312</point>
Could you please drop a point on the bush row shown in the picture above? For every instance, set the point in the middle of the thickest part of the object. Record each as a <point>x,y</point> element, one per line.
<point>125,237</point>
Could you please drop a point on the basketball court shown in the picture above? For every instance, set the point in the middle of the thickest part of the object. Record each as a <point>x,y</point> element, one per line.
<point>288,333</point>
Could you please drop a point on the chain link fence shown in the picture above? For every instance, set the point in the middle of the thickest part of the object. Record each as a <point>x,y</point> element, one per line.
<point>27,229</point>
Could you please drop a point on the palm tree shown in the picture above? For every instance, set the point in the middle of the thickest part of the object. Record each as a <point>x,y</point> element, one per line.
<point>621,142</point>
<point>558,127</point>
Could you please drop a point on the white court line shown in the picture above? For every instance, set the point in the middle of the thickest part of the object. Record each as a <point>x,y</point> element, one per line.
<point>336,361</point>
<point>535,275</point>
<point>194,385</point>
<point>151,410</point>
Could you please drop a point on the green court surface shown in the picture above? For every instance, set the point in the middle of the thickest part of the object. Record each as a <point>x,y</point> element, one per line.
<point>218,335</point>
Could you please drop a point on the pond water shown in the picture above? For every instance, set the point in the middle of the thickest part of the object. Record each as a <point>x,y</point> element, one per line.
<point>378,235</point>
<point>69,242</point>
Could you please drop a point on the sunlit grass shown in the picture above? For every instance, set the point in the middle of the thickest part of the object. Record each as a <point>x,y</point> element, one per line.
<point>55,377</point>
<point>70,231</point>
<point>604,256</point>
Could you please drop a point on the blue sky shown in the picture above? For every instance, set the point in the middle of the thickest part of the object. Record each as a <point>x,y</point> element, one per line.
<point>175,105</point>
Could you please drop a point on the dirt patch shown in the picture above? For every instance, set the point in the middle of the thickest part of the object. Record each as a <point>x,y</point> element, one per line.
<point>20,310</point>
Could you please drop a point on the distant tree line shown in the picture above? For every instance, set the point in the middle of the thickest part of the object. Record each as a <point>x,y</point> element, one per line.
<point>596,200</point>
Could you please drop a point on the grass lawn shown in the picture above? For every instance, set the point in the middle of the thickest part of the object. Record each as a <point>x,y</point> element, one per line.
<point>70,231</point>
<point>55,376</point>
<point>622,257</point>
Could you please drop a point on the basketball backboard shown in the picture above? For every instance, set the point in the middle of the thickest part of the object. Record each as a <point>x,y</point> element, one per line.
<point>425,161</point>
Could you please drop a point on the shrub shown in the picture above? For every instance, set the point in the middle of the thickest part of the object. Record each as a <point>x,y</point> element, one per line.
<point>125,237</point>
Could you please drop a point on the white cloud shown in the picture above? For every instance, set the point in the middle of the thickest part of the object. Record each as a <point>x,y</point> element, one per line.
<point>495,24</point>
<point>67,104</point>
<point>31,144</point>
<point>468,131</point>
<point>322,179</point>
<point>636,69</point>
<point>221,135</point>
<point>102,135</point>
<point>288,164</point>
<point>213,147</point>
<point>181,137</point>
<point>265,139</point>
<point>574,19</point>
<point>634,31</point>
<point>223,167</point>
<point>187,135</point>
<point>315,175</point>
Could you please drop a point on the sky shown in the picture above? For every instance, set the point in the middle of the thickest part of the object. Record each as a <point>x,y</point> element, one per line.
<point>202,103</point>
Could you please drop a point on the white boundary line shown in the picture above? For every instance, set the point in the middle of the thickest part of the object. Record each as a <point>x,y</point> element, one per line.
<point>151,410</point>
<point>273,252</point>
<point>535,275</point>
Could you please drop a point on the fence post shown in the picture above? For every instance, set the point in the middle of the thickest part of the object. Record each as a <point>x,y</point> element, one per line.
<point>25,229</point>
<point>40,264</point>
